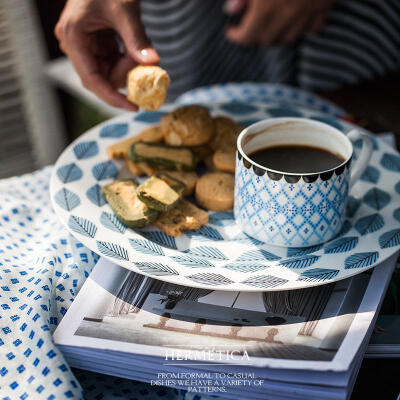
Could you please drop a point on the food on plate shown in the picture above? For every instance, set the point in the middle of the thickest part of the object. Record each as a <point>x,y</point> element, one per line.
<point>182,217</point>
<point>209,163</point>
<point>202,151</point>
<point>147,86</point>
<point>189,179</point>
<point>215,191</point>
<point>140,169</point>
<point>225,160</point>
<point>157,194</point>
<point>130,210</point>
<point>120,149</point>
<point>187,126</point>
<point>174,183</point>
<point>163,156</point>
<point>226,133</point>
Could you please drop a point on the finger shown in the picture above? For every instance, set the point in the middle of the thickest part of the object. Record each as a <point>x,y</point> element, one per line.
<point>120,70</point>
<point>318,23</point>
<point>294,31</point>
<point>252,22</point>
<point>91,77</point>
<point>281,20</point>
<point>233,7</point>
<point>133,34</point>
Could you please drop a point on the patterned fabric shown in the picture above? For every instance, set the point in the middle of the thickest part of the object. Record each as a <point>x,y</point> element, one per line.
<point>42,268</point>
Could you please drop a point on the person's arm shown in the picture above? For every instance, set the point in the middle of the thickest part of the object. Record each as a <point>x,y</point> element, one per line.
<point>268,22</point>
<point>87,34</point>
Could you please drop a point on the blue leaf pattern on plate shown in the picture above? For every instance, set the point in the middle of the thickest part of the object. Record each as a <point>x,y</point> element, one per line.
<point>245,267</point>
<point>85,150</point>
<point>146,246</point>
<point>391,162</point>
<point>223,218</point>
<point>205,233</point>
<point>345,228</point>
<point>69,173</point>
<point>207,252</point>
<point>245,239</point>
<point>299,262</point>
<point>258,255</point>
<point>371,174</point>
<point>239,108</point>
<point>369,224</point>
<point>114,130</point>
<point>390,239</point>
<point>210,279</point>
<point>160,238</point>
<point>330,121</point>
<point>302,251</point>
<point>193,262</point>
<point>67,199</point>
<point>95,195</point>
<point>283,112</point>
<point>149,116</point>
<point>156,269</point>
<point>396,214</point>
<point>359,260</point>
<point>110,221</point>
<point>265,281</point>
<point>105,170</point>
<point>376,198</point>
<point>113,250</point>
<point>353,205</point>
<point>318,274</point>
<point>341,245</point>
<point>82,226</point>
<point>247,122</point>
<point>397,187</point>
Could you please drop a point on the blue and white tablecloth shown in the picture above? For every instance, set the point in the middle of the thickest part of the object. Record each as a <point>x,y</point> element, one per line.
<point>42,268</point>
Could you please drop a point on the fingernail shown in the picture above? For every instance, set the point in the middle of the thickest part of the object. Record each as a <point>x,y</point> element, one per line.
<point>149,54</point>
<point>232,6</point>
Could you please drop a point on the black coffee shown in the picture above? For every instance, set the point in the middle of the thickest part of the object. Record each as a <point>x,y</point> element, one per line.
<point>296,159</point>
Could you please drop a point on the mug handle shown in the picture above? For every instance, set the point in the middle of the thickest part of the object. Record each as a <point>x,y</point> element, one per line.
<point>363,159</point>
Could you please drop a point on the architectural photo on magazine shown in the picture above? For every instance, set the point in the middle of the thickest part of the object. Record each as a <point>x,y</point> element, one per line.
<point>199,199</point>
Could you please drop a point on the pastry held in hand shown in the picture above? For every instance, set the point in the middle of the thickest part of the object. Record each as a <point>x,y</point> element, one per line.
<point>147,86</point>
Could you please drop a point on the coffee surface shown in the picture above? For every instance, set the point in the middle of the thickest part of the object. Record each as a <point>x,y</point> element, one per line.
<point>296,159</point>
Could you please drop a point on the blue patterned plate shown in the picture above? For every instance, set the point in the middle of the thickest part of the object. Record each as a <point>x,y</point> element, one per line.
<point>219,256</point>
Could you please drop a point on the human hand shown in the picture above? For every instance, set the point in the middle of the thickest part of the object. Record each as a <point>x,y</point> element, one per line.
<point>268,22</point>
<point>87,31</point>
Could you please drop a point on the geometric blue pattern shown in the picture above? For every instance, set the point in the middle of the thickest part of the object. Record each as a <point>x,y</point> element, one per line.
<point>289,214</point>
<point>42,268</point>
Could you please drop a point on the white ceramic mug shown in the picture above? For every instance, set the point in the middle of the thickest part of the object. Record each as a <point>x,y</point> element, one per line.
<point>291,209</point>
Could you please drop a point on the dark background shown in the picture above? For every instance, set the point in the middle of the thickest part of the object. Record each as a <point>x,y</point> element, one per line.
<point>372,104</point>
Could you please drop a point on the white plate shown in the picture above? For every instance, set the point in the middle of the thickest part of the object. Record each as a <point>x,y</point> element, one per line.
<point>219,256</point>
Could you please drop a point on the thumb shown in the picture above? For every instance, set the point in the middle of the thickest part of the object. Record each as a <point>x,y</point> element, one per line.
<point>133,34</point>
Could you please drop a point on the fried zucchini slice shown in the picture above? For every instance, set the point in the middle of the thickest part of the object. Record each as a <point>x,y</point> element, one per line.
<point>163,156</point>
<point>174,183</point>
<point>130,210</point>
<point>157,194</point>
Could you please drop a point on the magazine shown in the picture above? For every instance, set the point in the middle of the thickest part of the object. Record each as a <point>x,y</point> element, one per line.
<point>306,343</point>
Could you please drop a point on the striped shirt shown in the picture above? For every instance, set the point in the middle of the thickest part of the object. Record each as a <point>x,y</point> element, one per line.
<point>360,40</point>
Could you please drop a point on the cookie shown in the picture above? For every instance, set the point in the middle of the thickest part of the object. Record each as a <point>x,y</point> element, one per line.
<point>209,163</point>
<point>188,178</point>
<point>120,149</point>
<point>182,217</point>
<point>215,191</point>
<point>147,86</point>
<point>225,161</point>
<point>202,151</point>
<point>187,126</point>
<point>140,168</point>
<point>226,133</point>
